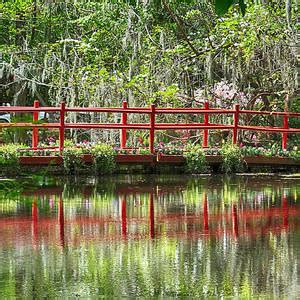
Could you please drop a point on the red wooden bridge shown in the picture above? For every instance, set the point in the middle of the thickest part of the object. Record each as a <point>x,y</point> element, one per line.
<point>152,126</point>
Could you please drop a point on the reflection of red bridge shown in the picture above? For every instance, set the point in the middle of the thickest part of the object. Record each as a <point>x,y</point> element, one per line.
<point>235,222</point>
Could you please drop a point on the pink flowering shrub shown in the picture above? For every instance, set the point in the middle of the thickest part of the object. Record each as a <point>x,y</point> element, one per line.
<point>224,95</point>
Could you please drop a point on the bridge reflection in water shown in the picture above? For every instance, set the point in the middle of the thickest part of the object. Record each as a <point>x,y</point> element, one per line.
<point>152,237</point>
<point>141,212</point>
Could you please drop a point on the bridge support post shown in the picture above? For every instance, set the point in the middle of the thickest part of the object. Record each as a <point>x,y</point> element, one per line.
<point>206,122</point>
<point>62,126</point>
<point>35,131</point>
<point>152,128</point>
<point>123,130</point>
<point>235,123</point>
<point>285,134</point>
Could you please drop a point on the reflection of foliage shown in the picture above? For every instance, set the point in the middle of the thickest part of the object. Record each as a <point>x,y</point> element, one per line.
<point>9,189</point>
<point>198,267</point>
<point>169,267</point>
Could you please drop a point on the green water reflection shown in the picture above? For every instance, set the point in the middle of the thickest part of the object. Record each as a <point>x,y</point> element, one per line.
<point>151,236</point>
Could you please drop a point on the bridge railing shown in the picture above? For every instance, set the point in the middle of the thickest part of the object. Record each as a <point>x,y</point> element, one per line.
<point>152,126</point>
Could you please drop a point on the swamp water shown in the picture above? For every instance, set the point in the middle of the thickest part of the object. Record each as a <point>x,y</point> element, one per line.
<point>146,236</point>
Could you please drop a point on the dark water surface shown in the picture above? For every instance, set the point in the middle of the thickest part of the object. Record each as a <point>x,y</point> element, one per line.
<point>150,236</point>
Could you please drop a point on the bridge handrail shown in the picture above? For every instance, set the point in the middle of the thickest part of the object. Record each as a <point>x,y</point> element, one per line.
<point>152,126</point>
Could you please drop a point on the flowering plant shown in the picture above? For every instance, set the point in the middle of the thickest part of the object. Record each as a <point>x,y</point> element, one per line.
<point>172,148</point>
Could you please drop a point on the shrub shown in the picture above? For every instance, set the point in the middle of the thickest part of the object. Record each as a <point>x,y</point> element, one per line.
<point>72,159</point>
<point>9,154</point>
<point>233,160</point>
<point>103,159</point>
<point>195,159</point>
<point>295,154</point>
<point>144,151</point>
<point>171,148</point>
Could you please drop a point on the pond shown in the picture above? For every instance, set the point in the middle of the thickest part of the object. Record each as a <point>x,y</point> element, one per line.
<point>143,236</point>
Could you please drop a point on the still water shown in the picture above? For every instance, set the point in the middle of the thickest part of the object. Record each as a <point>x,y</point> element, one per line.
<point>147,236</point>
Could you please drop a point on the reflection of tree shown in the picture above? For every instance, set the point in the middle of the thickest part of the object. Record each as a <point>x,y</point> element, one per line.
<point>185,257</point>
<point>212,267</point>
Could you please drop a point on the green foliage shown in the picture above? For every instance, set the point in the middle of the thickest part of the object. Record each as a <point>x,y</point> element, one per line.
<point>45,152</point>
<point>103,159</point>
<point>295,154</point>
<point>171,148</point>
<point>72,159</point>
<point>294,122</point>
<point>195,159</point>
<point>131,49</point>
<point>271,151</point>
<point>9,154</point>
<point>144,151</point>
<point>98,53</point>
<point>233,160</point>
<point>222,6</point>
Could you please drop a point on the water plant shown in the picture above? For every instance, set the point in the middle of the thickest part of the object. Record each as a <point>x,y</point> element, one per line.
<point>195,159</point>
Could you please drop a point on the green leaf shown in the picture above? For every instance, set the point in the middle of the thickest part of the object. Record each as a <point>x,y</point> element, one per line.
<point>222,6</point>
<point>243,6</point>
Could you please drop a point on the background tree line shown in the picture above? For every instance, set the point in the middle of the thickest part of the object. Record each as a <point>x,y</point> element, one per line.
<point>172,53</point>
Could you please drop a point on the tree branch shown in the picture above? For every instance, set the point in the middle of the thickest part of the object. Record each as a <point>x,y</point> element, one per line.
<point>180,25</point>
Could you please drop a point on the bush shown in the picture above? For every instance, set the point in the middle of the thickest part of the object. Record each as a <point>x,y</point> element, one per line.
<point>144,151</point>
<point>104,159</point>
<point>9,154</point>
<point>295,154</point>
<point>195,159</point>
<point>233,160</point>
<point>72,159</point>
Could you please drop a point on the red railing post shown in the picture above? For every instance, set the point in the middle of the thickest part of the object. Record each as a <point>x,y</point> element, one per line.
<point>62,126</point>
<point>206,122</point>
<point>35,131</point>
<point>285,134</point>
<point>235,123</point>
<point>152,128</point>
<point>124,122</point>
